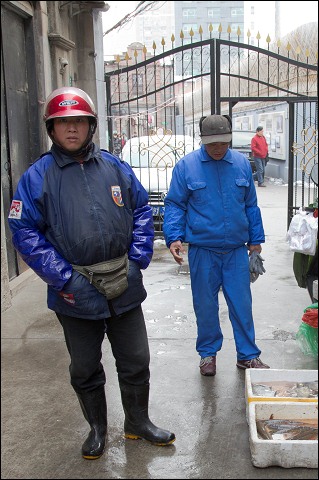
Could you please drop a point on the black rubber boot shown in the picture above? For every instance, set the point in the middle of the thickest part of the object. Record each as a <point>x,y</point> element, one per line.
<point>94,408</point>
<point>137,424</point>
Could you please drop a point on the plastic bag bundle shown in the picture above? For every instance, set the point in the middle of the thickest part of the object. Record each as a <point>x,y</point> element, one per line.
<point>310,315</point>
<point>307,335</point>
<point>302,233</point>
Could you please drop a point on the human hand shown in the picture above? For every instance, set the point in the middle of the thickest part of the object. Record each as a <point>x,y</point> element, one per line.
<point>176,248</point>
<point>253,248</point>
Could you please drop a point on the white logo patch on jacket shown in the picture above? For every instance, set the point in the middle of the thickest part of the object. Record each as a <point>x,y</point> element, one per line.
<point>15,209</point>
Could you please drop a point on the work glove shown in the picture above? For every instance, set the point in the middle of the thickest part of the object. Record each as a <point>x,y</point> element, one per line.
<point>256,266</point>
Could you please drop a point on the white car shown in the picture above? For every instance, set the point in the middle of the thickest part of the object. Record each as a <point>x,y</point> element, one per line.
<point>152,159</point>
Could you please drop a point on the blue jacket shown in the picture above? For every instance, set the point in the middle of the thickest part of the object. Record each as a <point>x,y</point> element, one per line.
<point>66,212</point>
<point>213,204</point>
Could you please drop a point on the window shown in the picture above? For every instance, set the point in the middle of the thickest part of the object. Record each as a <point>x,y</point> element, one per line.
<point>188,26</point>
<point>215,27</point>
<point>213,12</point>
<point>234,27</point>
<point>137,83</point>
<point>189,12</point>
<point>235,12</point>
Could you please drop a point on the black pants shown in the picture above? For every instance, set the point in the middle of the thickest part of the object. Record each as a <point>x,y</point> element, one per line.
<point>128,338</point>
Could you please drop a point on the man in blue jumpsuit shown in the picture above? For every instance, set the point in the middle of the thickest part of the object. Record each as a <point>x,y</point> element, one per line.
<point>212,206</point>
<point>81,220</point>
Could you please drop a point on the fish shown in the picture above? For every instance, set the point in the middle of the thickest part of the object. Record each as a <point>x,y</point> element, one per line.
<point>287,429</point>
<point>286,389</point>
<point>261,390</point>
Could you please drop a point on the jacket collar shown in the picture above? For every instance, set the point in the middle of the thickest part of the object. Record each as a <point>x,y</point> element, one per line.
<point>62,159</point>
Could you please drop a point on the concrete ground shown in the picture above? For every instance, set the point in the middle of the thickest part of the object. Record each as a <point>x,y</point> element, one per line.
<point>42,424</point>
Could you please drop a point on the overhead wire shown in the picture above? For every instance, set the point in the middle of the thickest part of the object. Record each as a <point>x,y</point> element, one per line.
<point>142,7</point>
<point>150,111</point>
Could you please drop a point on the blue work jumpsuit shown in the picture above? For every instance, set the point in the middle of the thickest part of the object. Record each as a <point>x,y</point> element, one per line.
<point>212,206</point>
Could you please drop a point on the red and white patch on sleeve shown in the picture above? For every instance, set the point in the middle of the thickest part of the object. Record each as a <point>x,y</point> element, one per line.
<point>15,209</point>
<point>68,297</point>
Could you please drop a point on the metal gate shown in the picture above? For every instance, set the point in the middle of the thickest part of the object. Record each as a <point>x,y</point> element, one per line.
<point>165,95</point>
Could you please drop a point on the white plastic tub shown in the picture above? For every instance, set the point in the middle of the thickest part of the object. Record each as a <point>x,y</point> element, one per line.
<point>283,453</point>
<point>268,375</point>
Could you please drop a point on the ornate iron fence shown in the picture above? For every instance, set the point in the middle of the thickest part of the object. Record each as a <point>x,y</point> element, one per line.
<point>168,92</point>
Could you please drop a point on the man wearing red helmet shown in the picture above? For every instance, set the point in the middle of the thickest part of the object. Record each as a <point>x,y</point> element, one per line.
<point>81,220</point>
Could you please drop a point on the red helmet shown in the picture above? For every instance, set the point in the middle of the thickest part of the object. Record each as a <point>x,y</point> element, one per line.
<point>68,102</point>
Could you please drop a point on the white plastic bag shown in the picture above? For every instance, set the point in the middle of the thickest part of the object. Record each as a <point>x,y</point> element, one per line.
<point>302,233</point>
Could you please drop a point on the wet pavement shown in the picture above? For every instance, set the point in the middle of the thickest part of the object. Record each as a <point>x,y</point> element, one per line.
<point>42,424</point>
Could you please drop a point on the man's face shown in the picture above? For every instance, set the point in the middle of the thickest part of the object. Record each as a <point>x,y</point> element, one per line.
<point>70,132</point>
<point>217,150</point>
<point>260,133</point>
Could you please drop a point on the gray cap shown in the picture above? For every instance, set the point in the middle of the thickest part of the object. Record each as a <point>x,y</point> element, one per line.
<point>215,128</point>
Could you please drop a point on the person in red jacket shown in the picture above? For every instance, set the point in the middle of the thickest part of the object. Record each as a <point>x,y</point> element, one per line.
<point>259,149</point>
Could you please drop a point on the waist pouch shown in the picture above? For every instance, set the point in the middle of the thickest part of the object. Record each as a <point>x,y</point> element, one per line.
<point>109,278</point>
